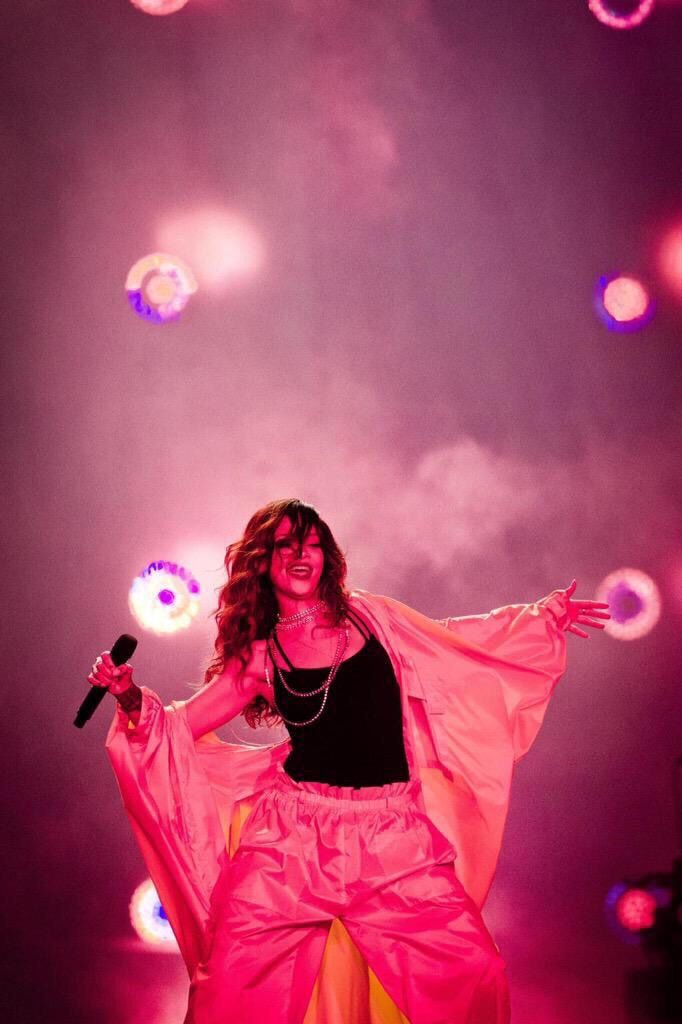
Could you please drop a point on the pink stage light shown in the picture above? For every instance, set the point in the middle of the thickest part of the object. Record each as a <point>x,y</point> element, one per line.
<point>159,287</point>
<point>631,906</point>
<point>221,246</point>
<point>670,259</point>
<point>159,6</point>
<point>634,603</point>
<point>623,303</point>
<point>608,16</point>
<point>636,909</point>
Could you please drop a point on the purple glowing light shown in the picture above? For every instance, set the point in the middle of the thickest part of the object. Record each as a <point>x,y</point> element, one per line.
<point>634,603</point>
<point>623,303</point>
<point>606,14</point>
<point>159,287</point>
<point>164,597</point>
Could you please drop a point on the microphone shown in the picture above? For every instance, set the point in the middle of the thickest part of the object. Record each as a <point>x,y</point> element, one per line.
<point>120,652</point>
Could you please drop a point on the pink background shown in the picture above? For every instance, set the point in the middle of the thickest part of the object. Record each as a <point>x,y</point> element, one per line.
<point>436,187</point>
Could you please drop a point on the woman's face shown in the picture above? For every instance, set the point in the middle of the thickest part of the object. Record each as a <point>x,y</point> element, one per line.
<point>295,572</point>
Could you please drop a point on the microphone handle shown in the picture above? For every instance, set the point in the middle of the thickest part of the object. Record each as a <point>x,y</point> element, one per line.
<point>120,652</point>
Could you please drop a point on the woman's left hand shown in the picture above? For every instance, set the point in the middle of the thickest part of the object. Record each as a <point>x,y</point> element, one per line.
<point>585,612</point>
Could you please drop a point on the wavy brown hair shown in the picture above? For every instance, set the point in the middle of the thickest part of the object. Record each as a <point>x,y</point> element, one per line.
<point>247,607</point>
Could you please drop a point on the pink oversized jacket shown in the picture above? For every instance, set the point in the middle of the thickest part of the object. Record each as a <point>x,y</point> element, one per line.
<point>474,694</point>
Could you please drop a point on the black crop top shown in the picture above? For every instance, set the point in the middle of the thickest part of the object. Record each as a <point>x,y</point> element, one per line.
<point>358,739</point>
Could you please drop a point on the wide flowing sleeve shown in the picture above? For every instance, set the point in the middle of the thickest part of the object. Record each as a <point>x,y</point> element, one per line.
<point>527,643</point>
<point>173,814</point>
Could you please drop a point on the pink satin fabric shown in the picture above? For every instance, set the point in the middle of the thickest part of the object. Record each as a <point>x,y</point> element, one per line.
<point>474,693</point>
<point>310,853</point>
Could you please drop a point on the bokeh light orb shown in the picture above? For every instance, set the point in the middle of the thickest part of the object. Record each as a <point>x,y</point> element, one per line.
<point>623,303</point>
<point>630,906</point>
<point>159,287</point>
<point>634,603</point>
<point>149,920</point>
<point>636,909</point>
<point>159,6</point>
<point>164,598</point>
<point>220,245</point>
<point>670,259</point>
<point>623,16</point>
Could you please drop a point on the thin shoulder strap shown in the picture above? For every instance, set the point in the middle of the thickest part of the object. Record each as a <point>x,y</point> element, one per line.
<point>355,618</point>
<point>362,626</point>
<point>282,651</point>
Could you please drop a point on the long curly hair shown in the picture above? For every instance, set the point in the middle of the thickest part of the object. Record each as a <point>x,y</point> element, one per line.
<point>247,606</point>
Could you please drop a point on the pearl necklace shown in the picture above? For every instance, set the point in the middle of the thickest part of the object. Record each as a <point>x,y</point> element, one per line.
<point>341,645</point>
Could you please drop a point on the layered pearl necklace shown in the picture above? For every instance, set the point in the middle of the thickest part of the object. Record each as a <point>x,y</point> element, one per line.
<point>289,622</point>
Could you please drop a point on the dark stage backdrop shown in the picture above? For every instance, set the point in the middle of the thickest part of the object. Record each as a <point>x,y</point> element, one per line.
<point>418,198</point>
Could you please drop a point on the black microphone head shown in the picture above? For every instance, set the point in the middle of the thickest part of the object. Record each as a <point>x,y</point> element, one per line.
<point>123,648</point>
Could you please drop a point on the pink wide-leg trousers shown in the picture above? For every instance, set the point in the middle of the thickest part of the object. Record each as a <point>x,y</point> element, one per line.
<point>310,853</point>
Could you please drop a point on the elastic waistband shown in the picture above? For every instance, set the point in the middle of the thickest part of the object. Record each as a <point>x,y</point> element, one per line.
<point>395,794</point>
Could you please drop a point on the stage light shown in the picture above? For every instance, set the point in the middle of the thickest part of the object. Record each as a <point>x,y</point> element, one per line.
<point>631,907</point>
<point>670,259</point>
<point>634,603</point>
<point>159,287</point>
<point>149,920</point>
<point>221,246</point>
<point>615,19</point>
<point>159,6</point>
<point>636,910</point>
<point>623,303</point>
<point>164,598</point>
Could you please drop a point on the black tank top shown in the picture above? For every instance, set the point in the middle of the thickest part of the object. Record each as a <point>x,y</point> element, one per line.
<point>358,739</point>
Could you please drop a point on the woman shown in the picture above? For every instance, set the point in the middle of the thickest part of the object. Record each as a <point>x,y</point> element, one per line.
<point>403,735</point>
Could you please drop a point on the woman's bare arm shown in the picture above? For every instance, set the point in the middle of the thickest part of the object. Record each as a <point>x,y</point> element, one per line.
<point>210,707</point>
<point>226,695</point>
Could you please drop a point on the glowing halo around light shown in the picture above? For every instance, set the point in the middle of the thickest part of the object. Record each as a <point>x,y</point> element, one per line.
<point>159,287</point>
<point>164,598</point>
<point>159,6</point>
<point>670,259</point>
<point>634,603</point>
<point>623,303</point>
<point>221,246</point>
<point>149,920</point>
<point>613,19</point>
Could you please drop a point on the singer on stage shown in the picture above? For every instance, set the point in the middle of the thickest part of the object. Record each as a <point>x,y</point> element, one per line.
<point>380,818</point>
